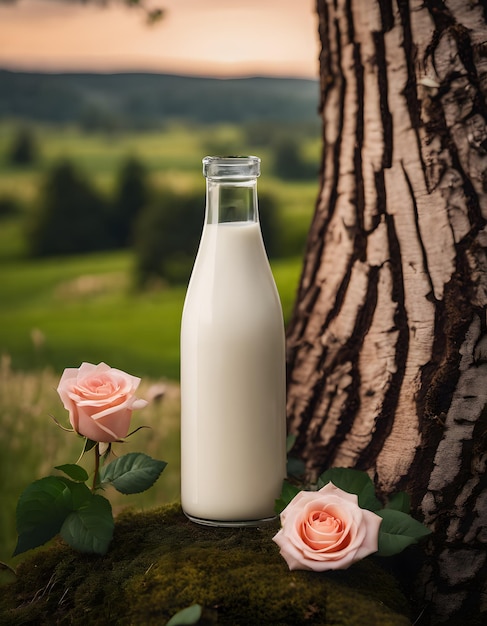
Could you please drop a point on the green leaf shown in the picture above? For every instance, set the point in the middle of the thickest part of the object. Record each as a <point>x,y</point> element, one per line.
<point>399,502</point>
<point>190,615</point>
<point>89,445</point>
<point>288,492</point>
<point>352,481</point>
<point>398,531</point>
<point>41,510</point>
<point>90,527</point>
<point>78,494</point>
<point>290,441</point>
<point>132,473</point>
<point>295,467</point>
<point>55,505</point>
<point>74,471</point>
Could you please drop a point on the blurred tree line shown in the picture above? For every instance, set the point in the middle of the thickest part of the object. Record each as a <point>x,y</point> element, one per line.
<point>163,227</point>
<point>144,100</point>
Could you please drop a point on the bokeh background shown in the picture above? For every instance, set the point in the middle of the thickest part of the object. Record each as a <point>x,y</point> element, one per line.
<point>104,120</point>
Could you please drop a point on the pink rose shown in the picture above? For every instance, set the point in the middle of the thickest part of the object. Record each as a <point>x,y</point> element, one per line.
<point>326,529</point>
<point>100,400</point>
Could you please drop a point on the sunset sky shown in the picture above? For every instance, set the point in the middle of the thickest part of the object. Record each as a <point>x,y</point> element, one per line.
<point>211,37</point>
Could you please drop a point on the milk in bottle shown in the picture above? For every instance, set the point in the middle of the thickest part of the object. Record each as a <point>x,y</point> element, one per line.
<point>232,360</point>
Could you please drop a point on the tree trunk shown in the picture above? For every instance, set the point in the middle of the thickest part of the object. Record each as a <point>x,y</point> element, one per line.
<point>387,348</point>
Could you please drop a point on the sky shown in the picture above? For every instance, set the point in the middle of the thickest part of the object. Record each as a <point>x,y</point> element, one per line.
<point>203,37</point>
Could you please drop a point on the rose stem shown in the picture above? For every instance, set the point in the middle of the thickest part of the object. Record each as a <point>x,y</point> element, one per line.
<point>97,467</point>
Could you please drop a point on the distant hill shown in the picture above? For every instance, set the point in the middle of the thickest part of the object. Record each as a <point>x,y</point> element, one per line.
<point>144,99</point>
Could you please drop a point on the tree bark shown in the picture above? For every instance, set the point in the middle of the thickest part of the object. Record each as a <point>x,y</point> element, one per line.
<point>387,347</point>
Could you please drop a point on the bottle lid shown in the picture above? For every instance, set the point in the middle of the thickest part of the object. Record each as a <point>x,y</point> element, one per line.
<point>231,167</point>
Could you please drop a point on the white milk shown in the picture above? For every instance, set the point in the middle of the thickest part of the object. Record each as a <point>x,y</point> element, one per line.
<point>232,380</point>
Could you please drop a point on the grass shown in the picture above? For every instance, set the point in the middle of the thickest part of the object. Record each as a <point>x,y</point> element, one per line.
<point>56,313</point>
<point>172,155</point>
<point>32,444</point>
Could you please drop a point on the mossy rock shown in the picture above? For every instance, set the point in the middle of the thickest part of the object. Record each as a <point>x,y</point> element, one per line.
<point>160,563</point>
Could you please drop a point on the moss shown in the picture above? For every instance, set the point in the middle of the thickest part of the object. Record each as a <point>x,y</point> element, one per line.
<point>160,562</point>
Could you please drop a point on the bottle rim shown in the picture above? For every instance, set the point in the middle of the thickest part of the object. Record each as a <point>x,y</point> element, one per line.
<point>231,167</point>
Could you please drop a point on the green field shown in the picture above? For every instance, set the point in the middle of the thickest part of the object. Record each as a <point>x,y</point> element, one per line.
<point>58,312</point>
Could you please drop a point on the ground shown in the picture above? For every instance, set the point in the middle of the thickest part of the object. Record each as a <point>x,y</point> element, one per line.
<point>159,563</point>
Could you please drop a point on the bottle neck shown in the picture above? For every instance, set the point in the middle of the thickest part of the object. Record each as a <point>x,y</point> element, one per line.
<point>231,201</point>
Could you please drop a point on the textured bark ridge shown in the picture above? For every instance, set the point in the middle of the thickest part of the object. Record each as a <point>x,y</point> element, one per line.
<point>387,348</point>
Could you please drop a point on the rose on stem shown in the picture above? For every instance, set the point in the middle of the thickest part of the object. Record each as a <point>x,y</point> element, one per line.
<point>100,401</point>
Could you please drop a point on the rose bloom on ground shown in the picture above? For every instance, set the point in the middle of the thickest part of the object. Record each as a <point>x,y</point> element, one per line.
<point>326,529</point>
<point>100,400</point>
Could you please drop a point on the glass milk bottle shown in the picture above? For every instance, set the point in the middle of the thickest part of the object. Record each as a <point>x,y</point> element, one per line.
<point>233,457</point>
